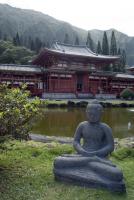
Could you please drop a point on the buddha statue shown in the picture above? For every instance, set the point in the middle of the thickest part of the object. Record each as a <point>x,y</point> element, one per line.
<point>90,167</point>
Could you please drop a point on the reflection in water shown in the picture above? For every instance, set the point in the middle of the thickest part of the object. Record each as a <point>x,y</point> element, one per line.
<point>63,122</point>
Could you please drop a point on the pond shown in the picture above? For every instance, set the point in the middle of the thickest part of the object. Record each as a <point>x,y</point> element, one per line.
<point>63,122</point>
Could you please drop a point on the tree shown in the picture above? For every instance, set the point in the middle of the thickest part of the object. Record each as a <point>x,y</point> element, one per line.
<point>119,52</point>
<point>77,41</point>
<point>32,45</point>
<point>99,50</point>
<point>89,42</point>
<point>16,112</point>
<point>105,45</point>
<point>66,39</point>
<point>13,54</point>
<point>38,44</point>
<point>0,35</point>
<point>16,40</point>
<point>113,45</point>
<point>123,58</point>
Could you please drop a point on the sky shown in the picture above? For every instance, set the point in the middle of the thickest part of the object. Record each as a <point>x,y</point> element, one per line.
<point>86,14</point>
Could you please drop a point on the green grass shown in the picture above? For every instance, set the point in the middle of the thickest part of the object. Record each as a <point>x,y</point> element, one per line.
<point>26,173</point>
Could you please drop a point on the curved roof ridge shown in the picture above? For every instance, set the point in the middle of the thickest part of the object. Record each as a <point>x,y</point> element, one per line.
<point>71,45</point>
<point>90,51</point>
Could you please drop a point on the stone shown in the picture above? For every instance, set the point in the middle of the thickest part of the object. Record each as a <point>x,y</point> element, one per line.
<point>90,167</point>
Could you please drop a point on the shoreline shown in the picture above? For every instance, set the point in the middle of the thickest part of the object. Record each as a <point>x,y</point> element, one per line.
<point>124,142</point>
<point>83,103</point>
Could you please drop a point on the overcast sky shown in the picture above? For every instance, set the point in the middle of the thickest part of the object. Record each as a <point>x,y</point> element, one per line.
<point>86,14</point>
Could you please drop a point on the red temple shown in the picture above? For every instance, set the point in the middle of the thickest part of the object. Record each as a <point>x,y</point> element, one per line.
<point>67,71</point>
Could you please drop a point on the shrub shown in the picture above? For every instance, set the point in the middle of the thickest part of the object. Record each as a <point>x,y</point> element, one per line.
<point>16,112</point>
<point>127,94</point>
<point>123,153</point>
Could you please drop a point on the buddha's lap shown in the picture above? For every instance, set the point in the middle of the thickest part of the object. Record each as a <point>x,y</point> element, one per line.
<point>103,169</point>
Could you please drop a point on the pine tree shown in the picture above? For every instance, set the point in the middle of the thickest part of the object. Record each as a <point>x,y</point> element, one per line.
<point>76,41</point>
<point>16,40</point>
<point>29,42</point>
<point>38,44</point>
<point>32,45</point>
<point>90,43</point>
<point>123,60</point>
<point>105,45</point>
<point>66,39</point>
<point>0,35</point>
<point>119,52</point>
<point>99,50</point>
<point>113,45</point>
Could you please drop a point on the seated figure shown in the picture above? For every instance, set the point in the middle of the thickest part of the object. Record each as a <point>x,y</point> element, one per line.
<point>90,167</point>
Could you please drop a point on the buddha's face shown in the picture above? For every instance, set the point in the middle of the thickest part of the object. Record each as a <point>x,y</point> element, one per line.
<point>94,114</point>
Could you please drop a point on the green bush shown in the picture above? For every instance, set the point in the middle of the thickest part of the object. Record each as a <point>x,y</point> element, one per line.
<point>16,112</point>
<point>127,94</point>
<point>123,153</point>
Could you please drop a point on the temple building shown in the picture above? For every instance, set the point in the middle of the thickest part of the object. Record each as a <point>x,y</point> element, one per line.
<point>68,71</point>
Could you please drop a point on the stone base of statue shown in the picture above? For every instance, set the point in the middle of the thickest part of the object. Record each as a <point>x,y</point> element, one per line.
<point>81,171</point>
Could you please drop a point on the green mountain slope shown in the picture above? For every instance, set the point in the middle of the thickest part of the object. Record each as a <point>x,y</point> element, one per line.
<point>48,29</point>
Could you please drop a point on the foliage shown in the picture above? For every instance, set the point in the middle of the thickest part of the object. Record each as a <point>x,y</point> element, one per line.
<point>123,153</point>
<point>14,54</point>
<point>16,111</point>
<point>127,94</point>
<point>26,171</point>
<point>113,45</point>
<point>99,50</point>
<point>16,40</point>
<point>105,45</point>
<point>90,43</point>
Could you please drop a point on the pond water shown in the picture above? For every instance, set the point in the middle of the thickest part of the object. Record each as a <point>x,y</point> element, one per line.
<point>63,122</point>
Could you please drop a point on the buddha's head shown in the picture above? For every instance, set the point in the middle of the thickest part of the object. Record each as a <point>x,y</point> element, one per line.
<point>94,111</point>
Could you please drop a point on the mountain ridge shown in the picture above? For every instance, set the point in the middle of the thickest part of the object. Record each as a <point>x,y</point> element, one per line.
<point>31,23</point>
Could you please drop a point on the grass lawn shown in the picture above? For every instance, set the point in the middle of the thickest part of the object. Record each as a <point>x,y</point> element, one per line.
<point>26,173</point>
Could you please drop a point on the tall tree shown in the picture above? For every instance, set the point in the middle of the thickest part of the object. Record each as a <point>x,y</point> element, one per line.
<point>120,67</point>
<point>89,42</point>
<point>77,41</point>
<point>105,45</point>
<point>123,60</point>
<point>0,35</point>
<point>99,49</point>
<point>32,45</point>
<point>113,45</point>
<point>119,52</point>
<point>16,40</point>
<point>38,44</point>
<point>66,39</point>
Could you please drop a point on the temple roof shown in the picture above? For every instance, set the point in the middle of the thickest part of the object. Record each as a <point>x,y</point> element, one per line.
<point>71,53</point>
<point>77,50</point>
<point>128,76</point>
<point>20,68</point>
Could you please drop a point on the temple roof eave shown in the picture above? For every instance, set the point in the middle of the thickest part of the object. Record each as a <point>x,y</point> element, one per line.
<point>90,56</point>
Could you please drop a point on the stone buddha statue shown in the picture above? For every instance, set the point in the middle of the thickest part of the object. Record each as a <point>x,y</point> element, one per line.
<point>90,167</point>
